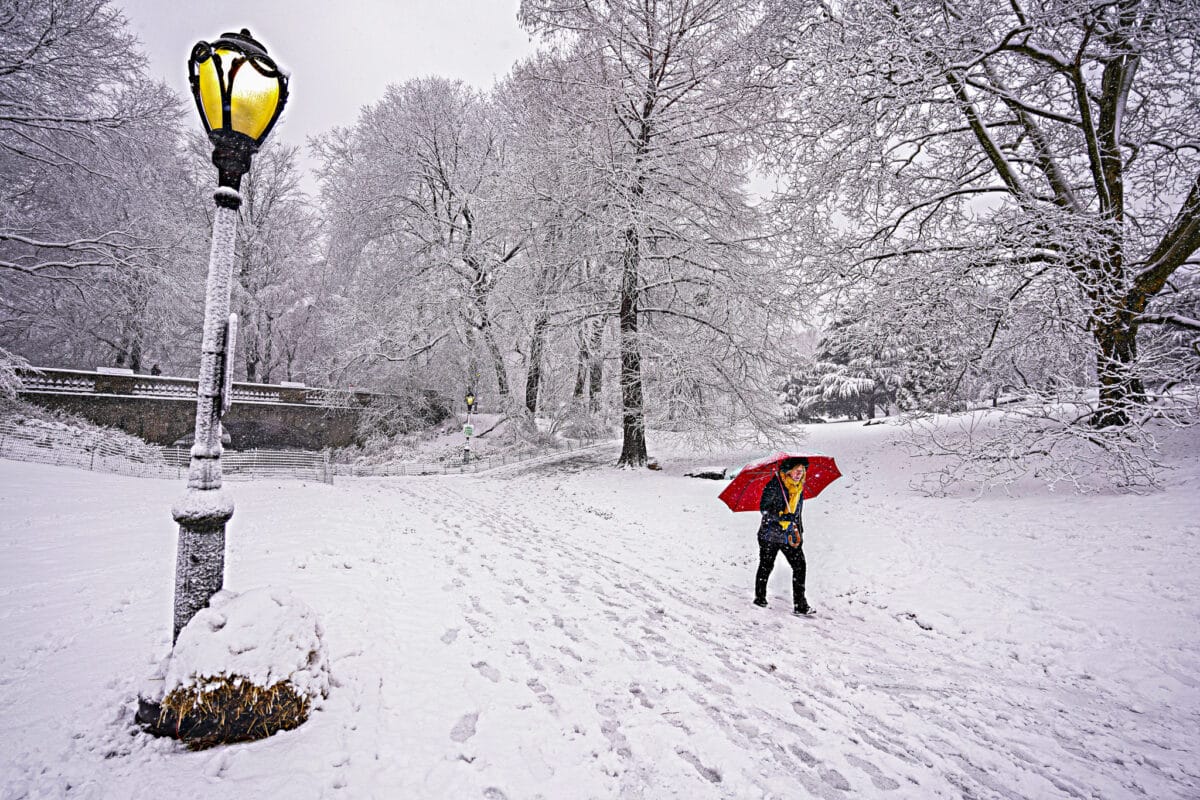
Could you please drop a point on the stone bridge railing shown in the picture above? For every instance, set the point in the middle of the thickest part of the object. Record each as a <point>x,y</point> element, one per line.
<point>71,381</point>
<point>162,409</point>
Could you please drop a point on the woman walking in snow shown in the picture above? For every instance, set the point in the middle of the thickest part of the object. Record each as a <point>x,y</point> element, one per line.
<point>781,530</point>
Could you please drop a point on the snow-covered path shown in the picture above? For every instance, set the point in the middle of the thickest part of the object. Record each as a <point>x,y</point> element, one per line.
<point>577,631</point>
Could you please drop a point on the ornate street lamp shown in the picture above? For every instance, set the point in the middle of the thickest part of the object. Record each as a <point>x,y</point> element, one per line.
<point>240,93</point>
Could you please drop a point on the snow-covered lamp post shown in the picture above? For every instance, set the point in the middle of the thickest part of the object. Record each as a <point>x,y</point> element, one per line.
<point>240,93</point>
<point>468,428</point>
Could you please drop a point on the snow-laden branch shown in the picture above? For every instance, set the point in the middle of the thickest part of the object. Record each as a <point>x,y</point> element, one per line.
<point>1177,320</point>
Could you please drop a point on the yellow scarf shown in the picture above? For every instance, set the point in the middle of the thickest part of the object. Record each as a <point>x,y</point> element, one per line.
<point>794,489</point>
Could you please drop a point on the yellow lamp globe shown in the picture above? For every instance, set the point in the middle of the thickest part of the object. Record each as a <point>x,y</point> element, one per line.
<point>240,93</point>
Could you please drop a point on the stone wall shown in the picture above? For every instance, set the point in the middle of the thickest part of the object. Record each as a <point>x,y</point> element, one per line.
<point>162,410</point>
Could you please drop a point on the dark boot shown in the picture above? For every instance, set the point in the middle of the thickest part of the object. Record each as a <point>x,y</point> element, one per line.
<point>795,557</point>
<point>766,561</point>
<point>803,609</point>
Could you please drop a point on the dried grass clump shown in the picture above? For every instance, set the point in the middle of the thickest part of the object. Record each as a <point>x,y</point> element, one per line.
<point>225,709</point>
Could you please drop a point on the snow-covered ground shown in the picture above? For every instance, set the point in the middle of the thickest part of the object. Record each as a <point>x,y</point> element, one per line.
<point>494,437</point>
<point>569,630</point>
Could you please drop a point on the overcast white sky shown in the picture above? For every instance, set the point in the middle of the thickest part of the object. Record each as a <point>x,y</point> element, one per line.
<point>341,53</point>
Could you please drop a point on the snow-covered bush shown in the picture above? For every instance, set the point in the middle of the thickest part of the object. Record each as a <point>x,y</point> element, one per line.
<point>393,415</point>
<point>61,432</point>
<point>585,426</point>
<point>246,667</point>
<point>1042,441</point>
<point>10,382</point>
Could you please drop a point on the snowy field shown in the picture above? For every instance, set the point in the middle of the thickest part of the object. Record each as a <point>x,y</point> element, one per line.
<point>570,630</point>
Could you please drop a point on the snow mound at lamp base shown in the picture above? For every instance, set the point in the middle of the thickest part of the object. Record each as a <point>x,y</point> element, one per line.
<point>247,666</point>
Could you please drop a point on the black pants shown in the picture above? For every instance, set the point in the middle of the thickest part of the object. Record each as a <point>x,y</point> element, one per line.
<point>766,561</point>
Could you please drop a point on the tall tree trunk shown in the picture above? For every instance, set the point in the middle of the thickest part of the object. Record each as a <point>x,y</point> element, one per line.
<point>633,450</point>
<point>135,353</point>
<point>1120,387</point>
<point>251,361</point>
<point>479,298</point>
<point>497,363</point>
<point>268,347</point>
<point>472,357</point>
<point>249,343</point>
<point>1115,333</point>
<point>533,377</point>
<point>128,348</point>
<point>581,368</point>
<point>589,374</point>
<point>596,371</point>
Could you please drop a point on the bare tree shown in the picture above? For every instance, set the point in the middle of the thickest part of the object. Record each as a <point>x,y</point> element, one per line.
<point>75,107</point>
<point>278,287</point>
<point>411,195</point>
<point>93,229</point>
<point>555,195</point>
<point>1032,165</point>
<point>665,83</point>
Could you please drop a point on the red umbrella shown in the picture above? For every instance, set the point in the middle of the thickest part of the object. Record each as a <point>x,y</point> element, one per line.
<point>744,492</point>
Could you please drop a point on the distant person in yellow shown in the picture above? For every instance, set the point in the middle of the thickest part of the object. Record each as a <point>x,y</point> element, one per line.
<point>783,531</point>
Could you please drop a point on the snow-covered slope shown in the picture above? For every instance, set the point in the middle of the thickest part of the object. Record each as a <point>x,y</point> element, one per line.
<point>570,630</point>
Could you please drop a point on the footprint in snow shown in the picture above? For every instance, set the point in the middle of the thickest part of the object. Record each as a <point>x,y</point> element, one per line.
<point>835,779</point>
<point>465,728</point>
<point>799,707</point>
<point>808,758</point>
<point>637,692</point>
<point>880,780</point>
<point>487,671</point>
<point>708,772</point>
<point>612,732</point>
<point>539,689</point>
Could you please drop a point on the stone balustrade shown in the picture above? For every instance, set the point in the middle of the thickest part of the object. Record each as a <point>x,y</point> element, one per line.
<point>161,409</point>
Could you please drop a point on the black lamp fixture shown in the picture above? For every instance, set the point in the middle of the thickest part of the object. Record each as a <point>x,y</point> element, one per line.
<point>240,93</point>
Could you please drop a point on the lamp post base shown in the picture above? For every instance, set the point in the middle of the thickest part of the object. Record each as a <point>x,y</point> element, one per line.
<point>200,557</point>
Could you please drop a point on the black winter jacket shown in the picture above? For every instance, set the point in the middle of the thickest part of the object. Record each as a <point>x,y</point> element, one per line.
<point>773,506</point>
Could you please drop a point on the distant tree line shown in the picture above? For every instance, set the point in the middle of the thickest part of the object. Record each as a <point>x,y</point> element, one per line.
<point>956,203</point>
